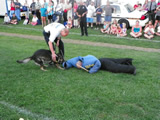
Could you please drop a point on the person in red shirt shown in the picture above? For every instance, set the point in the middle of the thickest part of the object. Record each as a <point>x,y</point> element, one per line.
<point>12,9</point>
<point>136,5</point>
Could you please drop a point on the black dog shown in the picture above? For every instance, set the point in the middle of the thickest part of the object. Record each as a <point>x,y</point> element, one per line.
<point>42,57</point>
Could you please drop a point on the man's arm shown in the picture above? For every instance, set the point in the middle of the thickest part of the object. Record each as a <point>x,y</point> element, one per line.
<point>52,51</point>
<point>96,67</point>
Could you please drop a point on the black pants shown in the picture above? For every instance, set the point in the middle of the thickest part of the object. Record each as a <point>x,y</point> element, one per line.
<point>38,14</point>
<point>117,65</point>
<point>61,44</point>
<point>151,15</point>
<point>65,16</point>
<point>83,25</point>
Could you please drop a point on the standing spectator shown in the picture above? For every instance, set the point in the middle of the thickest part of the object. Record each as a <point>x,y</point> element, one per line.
<point>157,17</point>
<point>151,10</point>
<point>59,11</point>
<point>158,30</point>
<point>64,12</point>
<point>17,10</point>
<point>108,12</point>
<point>34,20</point>
<point>50,12</point>
<point>43,15</point>
<point>81,13</point>
<point>45,4</point>
<point>136,30</point>
<point>97,3</point>
<point>75,7</point>
<point>98,17</point>
<point>91,10</point>
<point>33,7</point>
<point>6,19</point>
<point>38,7</point>
<point>149,31</point>
<point>144,7</point>
<point>14,19</point>
<point>12,10</point>
<point>26,7</point>
<point>88,2</point>
<point>124,30</point>
<point>69,9</point>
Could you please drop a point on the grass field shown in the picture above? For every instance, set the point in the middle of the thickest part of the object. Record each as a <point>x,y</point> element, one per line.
<point>29,93</point>
<point>74,94</point>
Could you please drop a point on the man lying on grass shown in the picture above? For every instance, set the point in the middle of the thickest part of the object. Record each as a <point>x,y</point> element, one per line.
<point>88,63</point>
<point>91,64</point>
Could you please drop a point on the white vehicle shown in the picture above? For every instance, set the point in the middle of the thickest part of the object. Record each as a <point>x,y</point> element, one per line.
<point>4,7</point>
<point>125,13</point>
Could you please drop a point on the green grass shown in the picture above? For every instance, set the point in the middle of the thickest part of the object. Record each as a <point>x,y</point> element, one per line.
<point>37,30</point>
<point>74,94</point>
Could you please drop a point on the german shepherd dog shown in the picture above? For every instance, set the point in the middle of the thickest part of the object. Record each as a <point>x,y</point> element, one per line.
<point>42,57</point>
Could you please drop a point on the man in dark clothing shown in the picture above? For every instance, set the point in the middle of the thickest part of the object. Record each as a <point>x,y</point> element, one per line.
<point>33,7</point>
<point>152,5</point>
<point>123,65</point>
<point>81,13</point>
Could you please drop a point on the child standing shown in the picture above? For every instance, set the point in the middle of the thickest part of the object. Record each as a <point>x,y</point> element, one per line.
<point>6,19</point>
<point>43,15</point>
<point>98,16</point>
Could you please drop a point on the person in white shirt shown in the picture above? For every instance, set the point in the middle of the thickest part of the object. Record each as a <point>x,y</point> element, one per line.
<point>91,10</point>
<point>6,19</point>
<point>52,33</point>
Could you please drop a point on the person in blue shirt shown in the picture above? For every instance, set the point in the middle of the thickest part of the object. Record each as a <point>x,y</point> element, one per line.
<point>18,11</point>
<point>43,15</point>
<point>89,63</point>
<point>98,16</point>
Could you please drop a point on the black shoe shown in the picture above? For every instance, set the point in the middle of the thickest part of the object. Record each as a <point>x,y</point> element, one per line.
<point>134,73</point>
<point>82,35</point>
<point>87,35</point>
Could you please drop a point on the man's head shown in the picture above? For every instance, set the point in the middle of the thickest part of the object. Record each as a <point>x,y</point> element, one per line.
<point>81,2</point>
<point>64,32</point>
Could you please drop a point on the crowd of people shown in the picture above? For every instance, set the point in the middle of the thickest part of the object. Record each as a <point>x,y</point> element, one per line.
<point>82,16</point>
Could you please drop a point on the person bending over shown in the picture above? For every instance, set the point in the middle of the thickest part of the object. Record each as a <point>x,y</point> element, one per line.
<point>52,33</point>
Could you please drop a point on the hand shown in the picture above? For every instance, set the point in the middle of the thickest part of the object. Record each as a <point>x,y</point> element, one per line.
<point>79,16</point>
<point>79,64</point>
<point>83,14</point>
<point>54,57</point>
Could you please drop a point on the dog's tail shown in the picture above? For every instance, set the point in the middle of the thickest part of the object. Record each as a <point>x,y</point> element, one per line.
<point>26,60</point>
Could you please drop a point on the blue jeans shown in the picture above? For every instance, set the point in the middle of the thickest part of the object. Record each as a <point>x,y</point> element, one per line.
<point>11,13</point>
<point>108,18</point>
<point>17,12</point>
